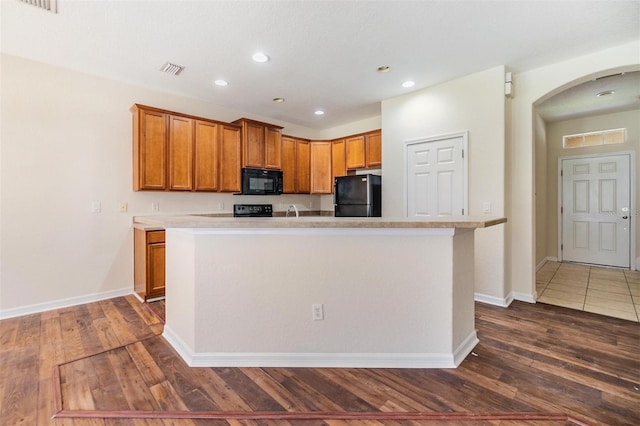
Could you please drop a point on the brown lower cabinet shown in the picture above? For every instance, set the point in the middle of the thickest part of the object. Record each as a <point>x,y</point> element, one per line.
<point>148,263</point>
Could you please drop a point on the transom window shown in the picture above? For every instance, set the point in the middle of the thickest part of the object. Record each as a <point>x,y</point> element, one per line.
<point>602,137</point>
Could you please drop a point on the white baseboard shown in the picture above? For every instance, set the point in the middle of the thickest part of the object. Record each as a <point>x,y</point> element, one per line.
<point>545,260</point>
<point>63,303</point>
<point>320,360</point>
<point>524,297</point>
<point>492,300</point>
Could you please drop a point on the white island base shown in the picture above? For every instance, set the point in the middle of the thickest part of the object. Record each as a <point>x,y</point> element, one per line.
<point>391,296</point>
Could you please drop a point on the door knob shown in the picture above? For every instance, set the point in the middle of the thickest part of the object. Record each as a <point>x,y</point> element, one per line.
<point>625,217</point>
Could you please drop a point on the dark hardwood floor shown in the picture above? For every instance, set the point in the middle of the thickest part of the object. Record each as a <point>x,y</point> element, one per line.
<point>105,363</point>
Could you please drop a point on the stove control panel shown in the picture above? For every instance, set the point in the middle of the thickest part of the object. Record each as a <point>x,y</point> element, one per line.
<point>252,210</point>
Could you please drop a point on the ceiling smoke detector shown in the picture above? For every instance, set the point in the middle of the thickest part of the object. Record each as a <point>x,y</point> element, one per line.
<point>172,69</point>
<point>48,5</point>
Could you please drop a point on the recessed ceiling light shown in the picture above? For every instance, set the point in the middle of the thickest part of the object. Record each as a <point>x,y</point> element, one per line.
<point>384,68</point>
<point>319,112</point>
<point>408,84</point>
<point>221,82</point>
<point>278,100</point>
<point>606,93</point>
<point>260,57</point>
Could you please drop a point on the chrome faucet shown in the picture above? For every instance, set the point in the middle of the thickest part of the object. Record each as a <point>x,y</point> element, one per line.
<point>292,206</point>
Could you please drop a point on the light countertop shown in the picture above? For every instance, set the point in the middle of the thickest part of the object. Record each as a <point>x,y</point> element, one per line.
<point>217,221</point>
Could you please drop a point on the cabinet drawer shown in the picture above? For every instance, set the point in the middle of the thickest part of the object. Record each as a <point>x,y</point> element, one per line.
<point>155,237</point>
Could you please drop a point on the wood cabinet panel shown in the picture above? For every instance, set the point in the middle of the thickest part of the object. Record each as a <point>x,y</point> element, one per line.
<point>206,156</point>
<point>373,145</point>
<point>320,160</point>
<point>261,144</point>
<point>272,148</point>
<point>354,152</point>
<point>149,263</point>
<point>295,165</point>
<point>149,149</point>
<point>180,153</point>
<point>289,165</point>
<point>230,158</point>
<point>252,145</point>
<point>338,158</point>
<point>303,167</point>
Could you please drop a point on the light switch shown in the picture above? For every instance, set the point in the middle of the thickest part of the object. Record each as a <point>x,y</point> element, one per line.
<point>122,207</point>
<point>486,207</point>
<point>96,207</point>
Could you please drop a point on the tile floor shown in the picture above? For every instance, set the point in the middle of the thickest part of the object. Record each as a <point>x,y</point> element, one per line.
<point>605,291</point>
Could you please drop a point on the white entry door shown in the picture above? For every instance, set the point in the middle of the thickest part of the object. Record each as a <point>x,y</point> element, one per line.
<point>436,183</point>
<point>596,223</point>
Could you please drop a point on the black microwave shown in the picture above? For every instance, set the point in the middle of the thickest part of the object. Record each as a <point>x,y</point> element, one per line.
<point>261,182</point>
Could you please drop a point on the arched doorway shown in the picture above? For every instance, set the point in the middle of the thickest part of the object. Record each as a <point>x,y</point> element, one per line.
<point>568,285</point>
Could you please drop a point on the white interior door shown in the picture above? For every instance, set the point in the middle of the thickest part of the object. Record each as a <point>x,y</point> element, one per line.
<point>596,223</point>
<point>436,177</point>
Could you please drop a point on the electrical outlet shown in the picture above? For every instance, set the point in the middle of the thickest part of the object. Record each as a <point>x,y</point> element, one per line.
<point>221,205</point>
<point>155,207</point>
<point>122,207</point>
<point>318,311</point>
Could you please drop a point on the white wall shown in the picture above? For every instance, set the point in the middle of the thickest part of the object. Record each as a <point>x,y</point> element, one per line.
<point>531,87</point>
<point>66,143</point>
<point>555,131</point>
<point>475,103</point>
<point>541,197</point>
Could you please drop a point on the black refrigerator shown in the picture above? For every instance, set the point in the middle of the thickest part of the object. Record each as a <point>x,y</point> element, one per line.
<point>357,196</point>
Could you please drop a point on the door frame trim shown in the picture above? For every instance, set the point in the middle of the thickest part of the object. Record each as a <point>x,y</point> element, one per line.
<point>465,166</point>
<point>632,203</point>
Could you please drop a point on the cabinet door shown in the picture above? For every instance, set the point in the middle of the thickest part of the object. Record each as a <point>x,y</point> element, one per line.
<point>288,165</point>
<point>355,152</point>
<point>180,153</point>
<point>155,270</point>
<point>303,167</point>
<point>273,148</point>
<point>230,159</point>
<point>320,153</point>
<point>338,160</point>
<point>373,144</point>
<point>252,145</point>
<point>149,150</point>
<point>206,156</point>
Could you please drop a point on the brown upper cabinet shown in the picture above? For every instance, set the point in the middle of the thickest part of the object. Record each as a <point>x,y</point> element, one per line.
<point>149,149</point>
<point>373,149</point>
<point>338,159</point>
<point>178,152</point>
<point>321,179</point>
<point>230,158</point>
<point>261,144</point>
<point>363,151</point>
<point>354,149</point>
<point>295,165</point>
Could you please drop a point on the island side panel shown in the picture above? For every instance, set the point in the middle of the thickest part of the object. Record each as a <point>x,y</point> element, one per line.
<point>464,336</point>
<point>180,297</point>
<point>386,293</point>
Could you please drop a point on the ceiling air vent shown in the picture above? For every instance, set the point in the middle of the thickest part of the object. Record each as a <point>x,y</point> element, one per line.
<point>172,69</point>
<point>48,5</point>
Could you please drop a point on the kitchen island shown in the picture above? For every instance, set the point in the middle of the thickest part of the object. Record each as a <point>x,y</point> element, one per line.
<point>320,291</point>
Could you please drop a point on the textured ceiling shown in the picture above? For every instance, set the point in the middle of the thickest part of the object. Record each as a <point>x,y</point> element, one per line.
<point>324,54</point>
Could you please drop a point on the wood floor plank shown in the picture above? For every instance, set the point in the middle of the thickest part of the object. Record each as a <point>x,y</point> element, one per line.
<point>20,393</point>
<point>151,372</point>
<point>255,397</point>
<point>531,358</point>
